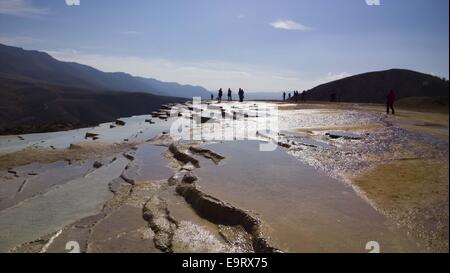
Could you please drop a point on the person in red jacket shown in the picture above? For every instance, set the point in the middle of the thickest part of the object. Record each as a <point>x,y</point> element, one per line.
<point>390,99</point>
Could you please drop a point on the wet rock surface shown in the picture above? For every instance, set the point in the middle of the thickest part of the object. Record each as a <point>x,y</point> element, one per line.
<point>182,157</point>
<point>159,220</point>
<point>91,135</point>
<point>97,164</point>
<point>215,157</point>
<point>77,198</point>
<point>344,135</point>
<point>135,219</point>
<point>225,214</point>
<point>348,158</point>
<point>156,193</point>
<point>120,122</point>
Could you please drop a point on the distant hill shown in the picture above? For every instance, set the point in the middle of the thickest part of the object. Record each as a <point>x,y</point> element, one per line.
<point>20,64</point>
<point>39,93</point>
<point>372,87</point>
<point>32,107</point>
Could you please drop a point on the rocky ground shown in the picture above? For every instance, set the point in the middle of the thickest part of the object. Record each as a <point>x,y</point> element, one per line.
<point>399,164</point>
<point>139,192</point>
<point>169,215</point>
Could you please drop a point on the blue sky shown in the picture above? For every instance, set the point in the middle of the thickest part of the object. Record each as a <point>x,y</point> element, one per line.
<point>260,45</point>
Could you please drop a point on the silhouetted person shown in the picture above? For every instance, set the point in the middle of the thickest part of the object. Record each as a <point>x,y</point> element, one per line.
<point>284,96</point>
<point>333,97</point>
<point>241,95</point>
<point>212,96</point>
<point>289,96</point>
<point>229,95</point>
<point>219,96</point>
<point>390,99</point>
<point>303,96</point>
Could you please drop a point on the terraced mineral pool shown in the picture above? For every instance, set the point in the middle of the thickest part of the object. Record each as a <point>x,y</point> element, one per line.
<point>36,178</point>
<point>58,207</point>
<point>149,164</point>
<point>135,129</point>
<point>302,209</point>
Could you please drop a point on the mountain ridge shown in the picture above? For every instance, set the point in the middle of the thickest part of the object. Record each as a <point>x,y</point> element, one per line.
<point>40,94</point>
<point>28,107</point>
<point>40,65</point>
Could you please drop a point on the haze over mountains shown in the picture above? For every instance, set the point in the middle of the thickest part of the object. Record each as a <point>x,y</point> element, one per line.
<point>39,66</point>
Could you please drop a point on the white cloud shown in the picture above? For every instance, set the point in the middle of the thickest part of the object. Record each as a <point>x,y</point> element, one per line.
<point>285,78</point>
<point>210,74</point>
<point>18,40</point>
<point>289,25</point>
<point>20,8</point>
<point>130,32</point>
<point>337,76</point>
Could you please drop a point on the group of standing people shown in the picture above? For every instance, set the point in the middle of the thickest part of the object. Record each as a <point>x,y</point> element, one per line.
<point>295,96</point>
<point>284,96</point>
<point>229,95</point>
<point>390,99</point>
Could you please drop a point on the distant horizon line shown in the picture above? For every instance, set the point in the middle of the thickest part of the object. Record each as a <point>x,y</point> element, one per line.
<point>223,88</point>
